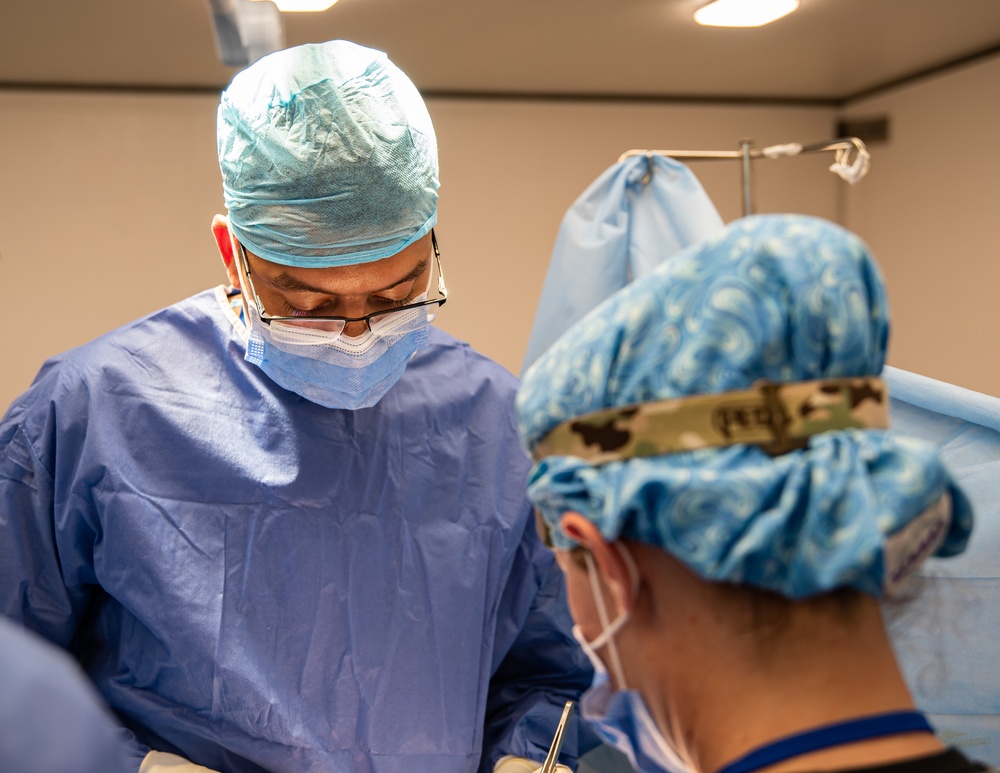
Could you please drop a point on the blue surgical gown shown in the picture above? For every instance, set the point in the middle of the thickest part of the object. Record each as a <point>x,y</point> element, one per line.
<point>256,582</point>
<point>51,719</point>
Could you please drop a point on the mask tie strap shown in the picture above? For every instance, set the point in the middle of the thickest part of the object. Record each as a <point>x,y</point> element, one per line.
<point>609,630</point>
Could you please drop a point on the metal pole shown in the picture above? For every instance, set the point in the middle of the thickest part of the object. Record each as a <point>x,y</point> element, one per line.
<point>746,147</point>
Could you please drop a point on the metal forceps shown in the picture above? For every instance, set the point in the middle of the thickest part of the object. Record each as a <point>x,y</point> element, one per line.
<point>549,765</point>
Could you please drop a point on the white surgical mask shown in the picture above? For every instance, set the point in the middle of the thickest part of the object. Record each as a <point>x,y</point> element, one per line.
<point>351,373</point>
<point>334,370</point>
<point>620,717</point>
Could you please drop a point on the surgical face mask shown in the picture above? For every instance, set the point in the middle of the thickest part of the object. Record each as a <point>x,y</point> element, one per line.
<point>620,717</point>
<point>332,369</point>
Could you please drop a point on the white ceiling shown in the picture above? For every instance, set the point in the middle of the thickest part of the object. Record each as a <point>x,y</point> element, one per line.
<point>830,50</point>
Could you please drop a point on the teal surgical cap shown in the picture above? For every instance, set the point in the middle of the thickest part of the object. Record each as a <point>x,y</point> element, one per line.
<point>328,157</point>
<point>781,298</point>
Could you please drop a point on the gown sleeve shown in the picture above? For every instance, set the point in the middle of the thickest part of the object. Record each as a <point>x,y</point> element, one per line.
<point>543,667</point>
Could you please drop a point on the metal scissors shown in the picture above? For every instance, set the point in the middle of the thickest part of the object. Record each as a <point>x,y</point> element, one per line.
<point>549,765</point>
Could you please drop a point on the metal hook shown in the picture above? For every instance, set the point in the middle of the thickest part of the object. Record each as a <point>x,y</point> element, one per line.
<point>649,170</point>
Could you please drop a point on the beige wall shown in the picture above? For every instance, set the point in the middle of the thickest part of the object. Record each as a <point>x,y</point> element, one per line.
<point>105,207</point>
<point>106,199</point>
<point>510,171</point>
<point>930,210</point>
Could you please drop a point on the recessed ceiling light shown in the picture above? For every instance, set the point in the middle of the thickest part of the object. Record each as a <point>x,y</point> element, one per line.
<point>743,13</point>
<point>302,6</point>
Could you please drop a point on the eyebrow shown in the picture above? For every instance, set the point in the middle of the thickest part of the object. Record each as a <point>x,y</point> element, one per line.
<point>289,283</point>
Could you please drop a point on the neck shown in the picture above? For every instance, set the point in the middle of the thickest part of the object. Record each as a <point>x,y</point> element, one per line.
<point>741,670</point>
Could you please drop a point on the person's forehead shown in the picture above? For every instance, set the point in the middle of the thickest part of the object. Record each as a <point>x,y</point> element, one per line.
<point>354,278</point>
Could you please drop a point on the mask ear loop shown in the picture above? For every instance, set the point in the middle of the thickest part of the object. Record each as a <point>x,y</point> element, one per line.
<point>608,630</point>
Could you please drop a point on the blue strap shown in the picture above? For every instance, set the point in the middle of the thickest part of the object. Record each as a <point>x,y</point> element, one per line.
<point>830,735</point>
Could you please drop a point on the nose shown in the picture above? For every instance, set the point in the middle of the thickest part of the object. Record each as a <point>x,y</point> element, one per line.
<point>355,329</point>
<point>353,307</point>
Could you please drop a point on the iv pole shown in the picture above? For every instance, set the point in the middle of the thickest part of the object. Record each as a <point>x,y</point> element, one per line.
<point>852,159</point>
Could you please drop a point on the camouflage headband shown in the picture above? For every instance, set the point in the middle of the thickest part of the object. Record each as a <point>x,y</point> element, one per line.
<point>779,417</point>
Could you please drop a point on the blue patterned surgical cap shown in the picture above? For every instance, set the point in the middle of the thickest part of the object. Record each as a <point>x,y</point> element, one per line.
<point>328,156</point>
<point>776,297</point>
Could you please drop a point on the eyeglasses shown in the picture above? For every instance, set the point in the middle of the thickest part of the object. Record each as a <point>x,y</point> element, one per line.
<point>339,323</point>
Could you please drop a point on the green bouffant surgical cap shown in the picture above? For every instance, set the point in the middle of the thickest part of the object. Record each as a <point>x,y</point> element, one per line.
<point>328,157</point>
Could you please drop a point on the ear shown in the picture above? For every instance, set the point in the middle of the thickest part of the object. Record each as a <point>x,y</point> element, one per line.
<point>223,240</point>
<point>612,566</point>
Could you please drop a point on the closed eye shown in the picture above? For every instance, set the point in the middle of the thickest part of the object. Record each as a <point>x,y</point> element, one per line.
<point>388,303</point>
<point>323,309</point>
<point>328,308</point>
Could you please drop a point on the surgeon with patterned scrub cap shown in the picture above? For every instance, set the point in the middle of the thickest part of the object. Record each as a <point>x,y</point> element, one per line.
<point>282,524</point>
<point>714,470</point>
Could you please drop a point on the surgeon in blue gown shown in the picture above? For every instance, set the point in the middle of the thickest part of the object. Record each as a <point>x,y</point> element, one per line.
<point>282,523</point>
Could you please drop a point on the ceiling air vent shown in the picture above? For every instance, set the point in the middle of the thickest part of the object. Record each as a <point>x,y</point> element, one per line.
<point>870,131</point>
